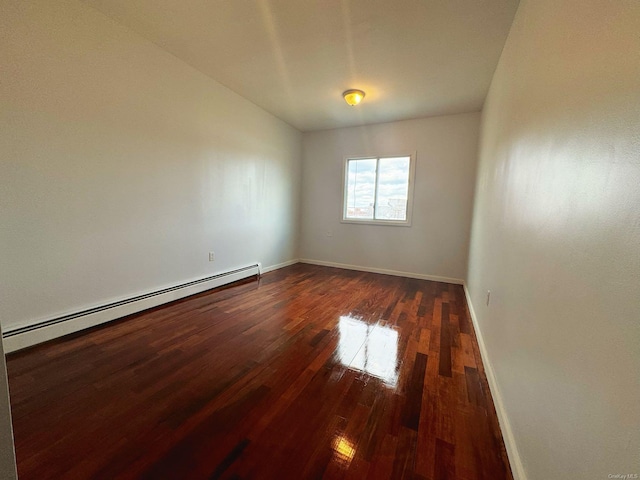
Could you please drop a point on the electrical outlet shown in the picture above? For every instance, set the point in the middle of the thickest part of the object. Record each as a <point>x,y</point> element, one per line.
<point>488,297</point>
<point>212,256</point>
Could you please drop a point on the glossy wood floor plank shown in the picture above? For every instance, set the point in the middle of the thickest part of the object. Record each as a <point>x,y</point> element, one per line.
<point>309,372</point>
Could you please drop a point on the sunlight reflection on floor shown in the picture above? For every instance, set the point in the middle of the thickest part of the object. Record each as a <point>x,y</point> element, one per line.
<point>372,349</point>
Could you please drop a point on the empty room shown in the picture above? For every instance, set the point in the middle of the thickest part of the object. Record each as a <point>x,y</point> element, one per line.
<point>294,239</point>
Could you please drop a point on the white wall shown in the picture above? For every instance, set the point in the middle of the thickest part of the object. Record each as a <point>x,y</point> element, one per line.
<point>556,237</point>
<point>436,244</point>
<point>122,167</point>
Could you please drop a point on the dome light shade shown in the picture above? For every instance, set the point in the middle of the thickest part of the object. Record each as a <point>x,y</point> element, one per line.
<point>353,97</point>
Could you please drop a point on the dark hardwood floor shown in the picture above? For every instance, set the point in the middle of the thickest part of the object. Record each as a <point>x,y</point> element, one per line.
<point>310,372</point>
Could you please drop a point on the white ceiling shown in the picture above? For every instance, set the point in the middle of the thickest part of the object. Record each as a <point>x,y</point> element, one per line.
<point>294,58</point>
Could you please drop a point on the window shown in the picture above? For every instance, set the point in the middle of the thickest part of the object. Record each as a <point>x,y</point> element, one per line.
<point>378,190</point>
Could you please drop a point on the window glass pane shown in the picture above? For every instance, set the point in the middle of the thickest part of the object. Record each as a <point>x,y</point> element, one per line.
<point>393,188</point>
<point>361,184</point>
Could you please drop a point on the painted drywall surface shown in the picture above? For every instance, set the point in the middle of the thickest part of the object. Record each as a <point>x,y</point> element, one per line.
<point>7,452</point>
<point>122,167</point>
<point>556,237</point>
<point>436,244</point>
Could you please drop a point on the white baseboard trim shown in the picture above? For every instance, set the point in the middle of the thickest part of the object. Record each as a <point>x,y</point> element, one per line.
<point>29,335</point>
<point>507,434</point>
<point>279,265</point>
<point>384,271</point>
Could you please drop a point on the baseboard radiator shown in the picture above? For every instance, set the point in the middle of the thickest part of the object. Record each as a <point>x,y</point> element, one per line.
<point>22,337</point>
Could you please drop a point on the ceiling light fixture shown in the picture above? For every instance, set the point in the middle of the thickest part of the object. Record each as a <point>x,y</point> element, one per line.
<point>353,97</point>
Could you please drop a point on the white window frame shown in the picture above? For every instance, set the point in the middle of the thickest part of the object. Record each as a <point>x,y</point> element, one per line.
<point>373,221</point>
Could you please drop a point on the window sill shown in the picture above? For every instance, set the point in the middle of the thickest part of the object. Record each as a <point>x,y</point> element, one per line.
<point>386,223</point>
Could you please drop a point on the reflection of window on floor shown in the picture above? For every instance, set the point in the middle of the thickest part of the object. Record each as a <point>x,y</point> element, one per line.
<point>372,349</point>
